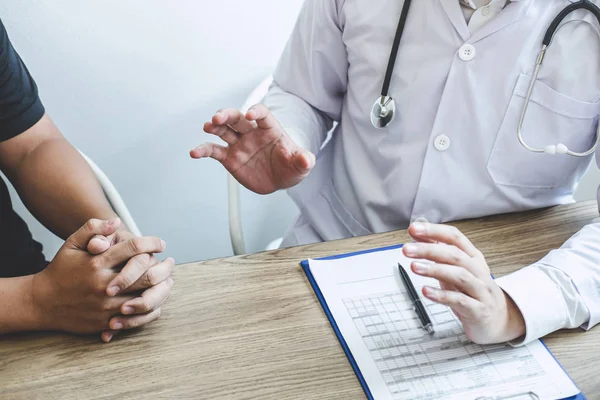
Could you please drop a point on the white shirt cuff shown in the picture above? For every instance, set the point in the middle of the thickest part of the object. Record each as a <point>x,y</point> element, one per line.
<point>539,300</point>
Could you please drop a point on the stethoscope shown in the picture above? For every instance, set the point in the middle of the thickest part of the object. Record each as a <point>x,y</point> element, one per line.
<point>384,108</point>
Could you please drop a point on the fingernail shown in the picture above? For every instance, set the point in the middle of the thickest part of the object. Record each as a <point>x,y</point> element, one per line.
<point>430,292</point>
<point>108,337</point>
<point>410,250</point>
<point>117,325</point>
<point>419,228</point>
<point>113,290</point>
<point>171,282</point>
<point>111,222</point>
<point>128,310</point>
<point>420,268</point>
<point>164,244</point>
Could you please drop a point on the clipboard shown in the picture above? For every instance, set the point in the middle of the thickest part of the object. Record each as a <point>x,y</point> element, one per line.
<point>354,364</point>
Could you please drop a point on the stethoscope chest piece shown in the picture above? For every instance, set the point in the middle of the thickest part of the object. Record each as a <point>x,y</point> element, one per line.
<point>383,112</point>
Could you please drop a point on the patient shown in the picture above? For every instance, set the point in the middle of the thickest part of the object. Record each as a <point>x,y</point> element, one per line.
<point>103,279</point>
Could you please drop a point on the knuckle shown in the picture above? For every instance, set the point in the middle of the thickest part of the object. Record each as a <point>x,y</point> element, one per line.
<point>136,245</point>
<point>461,301</point>
<point>96,263</point>
<point>91,224</point>
<point>456,234</point>
<point>124,281</point>
<point>456,255</point>
<point>143,260</point>
<point>463,277</point>
<point>151,277</point>
<point>105,306</point>
<point>145,306</point>
<point>133,323</point>
<point>443,296</point>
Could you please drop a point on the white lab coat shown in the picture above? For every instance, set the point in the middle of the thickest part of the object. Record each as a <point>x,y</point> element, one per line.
<point>452,152</point>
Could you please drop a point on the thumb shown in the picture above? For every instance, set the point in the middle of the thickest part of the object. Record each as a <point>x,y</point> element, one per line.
<point>93,227</point>
<point>304,161</point>
<point>98,245</point>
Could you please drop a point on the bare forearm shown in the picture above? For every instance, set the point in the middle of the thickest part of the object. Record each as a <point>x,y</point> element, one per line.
<point>58,187</point>
<point>17,308</point>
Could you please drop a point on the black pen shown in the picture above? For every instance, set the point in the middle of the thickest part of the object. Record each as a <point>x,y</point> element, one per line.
<point>416,299</point>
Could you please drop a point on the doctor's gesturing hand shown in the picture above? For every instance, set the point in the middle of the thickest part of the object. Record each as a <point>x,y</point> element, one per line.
<point>487,313</point>
<point>259,153</point>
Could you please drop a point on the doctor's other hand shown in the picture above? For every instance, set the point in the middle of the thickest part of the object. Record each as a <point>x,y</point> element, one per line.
<point>487,313</point>
<point>72,293</point>
<point>259,153</point>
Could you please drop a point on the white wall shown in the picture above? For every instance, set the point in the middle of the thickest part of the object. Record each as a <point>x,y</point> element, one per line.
<point>131,83</point>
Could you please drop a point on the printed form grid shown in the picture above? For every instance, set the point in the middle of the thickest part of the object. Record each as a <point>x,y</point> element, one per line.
<point>416,365</point>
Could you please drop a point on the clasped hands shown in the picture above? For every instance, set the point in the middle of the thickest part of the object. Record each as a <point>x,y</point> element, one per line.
<point>103,279</point>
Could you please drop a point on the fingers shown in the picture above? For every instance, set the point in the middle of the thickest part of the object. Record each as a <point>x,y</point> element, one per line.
<point>263,117</point>
<point>135,268</point>
<point>107,336</point>
<point>224,132</point>
<point>227,116</point>
<point>210,150</point>
<point>460,303</point>
<point>93,227</point>
<point>303,161</point>
<point>156,274</point>
<point>122,252</point>
<point>150,300</point>
<point>98,245</point>
<point>234,119</point>
<point>443,234</point>
<point>451,277</point>
<point>137,321</point>
<point>438,253</point>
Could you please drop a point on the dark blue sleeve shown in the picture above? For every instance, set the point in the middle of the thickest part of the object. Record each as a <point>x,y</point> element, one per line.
<point>20,105</point>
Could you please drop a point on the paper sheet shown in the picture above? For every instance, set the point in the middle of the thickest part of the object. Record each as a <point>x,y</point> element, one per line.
<point>399,360</point>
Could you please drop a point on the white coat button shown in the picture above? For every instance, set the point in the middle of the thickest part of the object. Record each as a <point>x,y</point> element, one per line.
<point>466,52</point>
<point>441,142</point>
<point>485,11</point>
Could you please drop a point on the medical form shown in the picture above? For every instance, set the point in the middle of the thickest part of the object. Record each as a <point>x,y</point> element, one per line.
<point>399,360</point>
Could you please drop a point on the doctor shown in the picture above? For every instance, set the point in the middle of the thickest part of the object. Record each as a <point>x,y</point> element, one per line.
<point>451,152</point>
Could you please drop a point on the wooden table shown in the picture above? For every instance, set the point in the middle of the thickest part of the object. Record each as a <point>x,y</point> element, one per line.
<point>250,327</point>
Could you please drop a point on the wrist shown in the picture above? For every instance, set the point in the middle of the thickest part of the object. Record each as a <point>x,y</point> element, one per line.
<point>40,300</point>
<point>515,322</point>
<point>21,313</point>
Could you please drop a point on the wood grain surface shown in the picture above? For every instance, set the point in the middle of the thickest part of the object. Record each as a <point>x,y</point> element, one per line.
<point>250,327</point>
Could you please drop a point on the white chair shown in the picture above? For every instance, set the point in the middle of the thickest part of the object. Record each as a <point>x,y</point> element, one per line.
<point>113,196</point>
<point>235,218</point>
